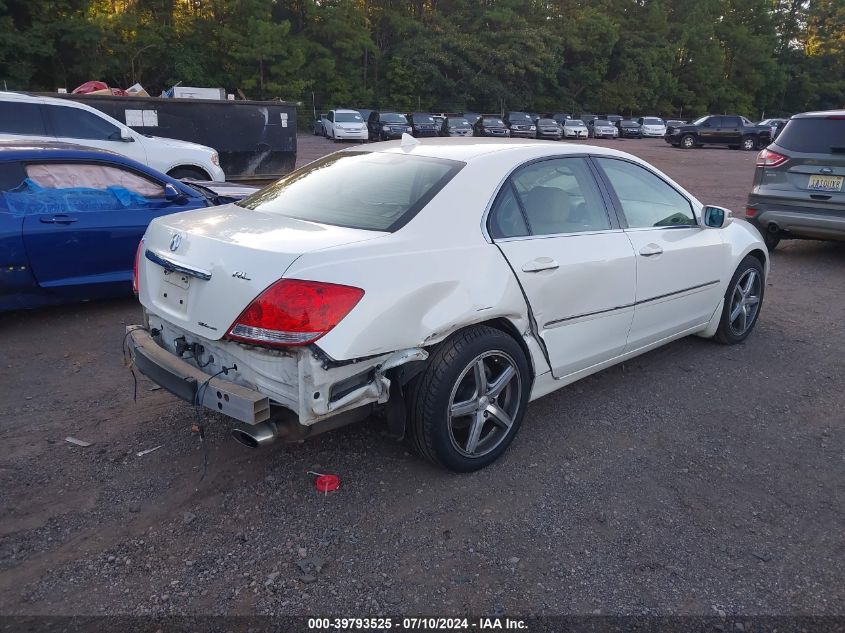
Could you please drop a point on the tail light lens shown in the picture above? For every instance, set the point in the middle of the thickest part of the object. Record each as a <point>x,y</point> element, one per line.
<point>768,158</point>
<point>750,212</point>
<point>294,312</point>
<point>138,252</point>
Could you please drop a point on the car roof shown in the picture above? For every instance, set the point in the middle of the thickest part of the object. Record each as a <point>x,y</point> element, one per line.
<point>820,114</point>
<point>467,149</point>
<point>20,149</point>
<point>28,98</point>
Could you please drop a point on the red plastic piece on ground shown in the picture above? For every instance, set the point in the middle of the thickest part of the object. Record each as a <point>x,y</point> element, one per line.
<point>327,483</point>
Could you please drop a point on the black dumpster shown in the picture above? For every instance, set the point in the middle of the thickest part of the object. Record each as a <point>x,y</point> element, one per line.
<point>256,140</point>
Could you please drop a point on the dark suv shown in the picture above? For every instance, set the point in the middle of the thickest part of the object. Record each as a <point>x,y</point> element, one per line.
<point>719,129</point>
<point>383,126</point>
<point>423,124</point>
<point>490,125</point>
<point>521,124</point>
<point>798,187</point>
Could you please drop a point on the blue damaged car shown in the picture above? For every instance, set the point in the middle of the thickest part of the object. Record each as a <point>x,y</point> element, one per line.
<point>71,219</point>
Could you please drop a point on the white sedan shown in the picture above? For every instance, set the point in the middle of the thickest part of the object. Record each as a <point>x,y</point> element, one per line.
<point>444,282</point>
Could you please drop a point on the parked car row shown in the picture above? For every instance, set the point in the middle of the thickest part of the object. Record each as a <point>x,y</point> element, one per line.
<point>374,125</point>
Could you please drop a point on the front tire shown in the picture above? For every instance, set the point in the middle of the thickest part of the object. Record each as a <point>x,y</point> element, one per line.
<point>687,141</point>
<point>189,173</point>
<point>749,143</point>
<point>743,300</point>
<point>467,406</point>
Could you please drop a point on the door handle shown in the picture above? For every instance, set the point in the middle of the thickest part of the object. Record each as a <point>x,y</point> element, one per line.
<point>541,263</point>
<point>651,250</point>
<point>58,219</point>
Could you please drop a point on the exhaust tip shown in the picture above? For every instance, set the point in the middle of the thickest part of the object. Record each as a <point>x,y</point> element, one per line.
<point>244,438</point>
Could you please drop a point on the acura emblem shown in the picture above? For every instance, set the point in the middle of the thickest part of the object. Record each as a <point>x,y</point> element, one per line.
<point>175,241</point>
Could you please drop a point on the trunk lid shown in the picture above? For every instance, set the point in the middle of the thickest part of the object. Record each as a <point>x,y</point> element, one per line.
<point>199,270</point>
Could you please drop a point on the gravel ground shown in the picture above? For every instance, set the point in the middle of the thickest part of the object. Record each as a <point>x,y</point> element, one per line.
<point>696,479</point>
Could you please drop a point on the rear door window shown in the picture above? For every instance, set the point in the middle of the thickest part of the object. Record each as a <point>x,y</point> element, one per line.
<point>91,176</point>
<point>813,136</point>
<point>11,175</point>
<point>78,123</point>
<point>21,118</point>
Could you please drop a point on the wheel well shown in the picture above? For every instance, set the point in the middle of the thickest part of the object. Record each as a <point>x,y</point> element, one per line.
<point>191,168</point>
<point>509,328</point>
<point>760,255</point>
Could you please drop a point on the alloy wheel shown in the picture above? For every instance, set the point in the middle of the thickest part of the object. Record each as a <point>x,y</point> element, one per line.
<point>483,404</point>
<point>745,302</point>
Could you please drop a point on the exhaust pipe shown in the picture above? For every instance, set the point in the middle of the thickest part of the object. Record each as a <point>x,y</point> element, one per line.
<point>259,435</point>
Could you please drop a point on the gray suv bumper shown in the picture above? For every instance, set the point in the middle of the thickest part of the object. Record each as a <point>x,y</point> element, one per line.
<point>800,221</point>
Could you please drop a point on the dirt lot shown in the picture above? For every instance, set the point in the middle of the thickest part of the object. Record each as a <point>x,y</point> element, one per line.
<point>694,479</point>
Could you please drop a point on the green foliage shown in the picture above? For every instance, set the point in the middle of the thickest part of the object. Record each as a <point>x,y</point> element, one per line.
<point>671,57</point>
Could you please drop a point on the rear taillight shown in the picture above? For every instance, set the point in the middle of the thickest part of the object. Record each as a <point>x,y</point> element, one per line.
<point>768,158</point>
<point>137,265</point>
<point>294,312</point>
<point>750,212</point>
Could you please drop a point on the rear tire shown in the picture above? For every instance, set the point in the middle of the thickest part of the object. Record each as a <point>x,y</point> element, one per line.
<point>466,407</point>
<point>771,240</point>
<point>749,143</point>
<point>687,141</point>
<point>743,300</point>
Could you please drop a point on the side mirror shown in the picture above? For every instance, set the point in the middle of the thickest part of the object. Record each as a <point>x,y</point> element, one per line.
<point>716,217</point>
<point>125,136</point>
<point>172,194</point>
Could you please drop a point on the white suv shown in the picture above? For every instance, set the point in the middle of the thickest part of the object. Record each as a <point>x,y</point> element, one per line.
<point>345,125</point>
<point>48,119</point>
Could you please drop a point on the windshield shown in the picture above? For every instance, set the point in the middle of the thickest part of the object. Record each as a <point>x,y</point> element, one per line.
<point>492,121</point>
<point>629,124</point>
<point>348,117</point>
<point>423,118</point>
<point>575,123</point>
<point>361,190</point>
<point>546,122</point>
<point>458,122</point>
<point>519,116</point>
<point>392,117</point>
<point>652,121</point>
<point>601,123</point>
<point>701,120</point>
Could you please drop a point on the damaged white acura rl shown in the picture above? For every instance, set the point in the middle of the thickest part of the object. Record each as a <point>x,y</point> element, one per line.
<point>441,283</point>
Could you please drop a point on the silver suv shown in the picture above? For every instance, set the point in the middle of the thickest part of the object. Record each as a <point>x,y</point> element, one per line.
<point>798,184</point>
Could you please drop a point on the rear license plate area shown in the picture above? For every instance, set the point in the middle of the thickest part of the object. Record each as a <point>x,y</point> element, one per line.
<point>173,291</point>
<point>825,183</point>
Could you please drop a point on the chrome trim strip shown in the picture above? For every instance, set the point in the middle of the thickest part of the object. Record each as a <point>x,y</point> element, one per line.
<point>176,268</point>
<point>629,305</point>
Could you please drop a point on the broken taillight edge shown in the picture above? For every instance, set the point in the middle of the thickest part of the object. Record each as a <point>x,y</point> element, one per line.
<point>294,312</point>
<point>768,158</point>
<point>135,271</point>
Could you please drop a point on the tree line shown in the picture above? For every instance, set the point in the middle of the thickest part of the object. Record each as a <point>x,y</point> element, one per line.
<point>671,57</point>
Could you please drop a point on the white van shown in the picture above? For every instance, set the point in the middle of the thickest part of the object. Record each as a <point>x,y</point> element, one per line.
<point>48,119</point>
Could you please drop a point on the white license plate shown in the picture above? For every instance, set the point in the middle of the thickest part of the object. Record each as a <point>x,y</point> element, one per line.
<point>825,183</point>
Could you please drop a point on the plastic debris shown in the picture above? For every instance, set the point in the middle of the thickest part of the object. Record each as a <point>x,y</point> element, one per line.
<point>149,450</point>
<point>82,443</point>
<point>325,483</point>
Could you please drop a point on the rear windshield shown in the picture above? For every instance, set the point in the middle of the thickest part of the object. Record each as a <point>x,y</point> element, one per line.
<point>392,117</point>
<point>361,190</point>
<point>813,136</point>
